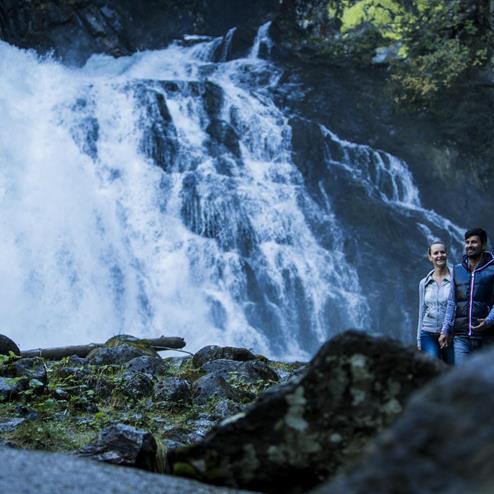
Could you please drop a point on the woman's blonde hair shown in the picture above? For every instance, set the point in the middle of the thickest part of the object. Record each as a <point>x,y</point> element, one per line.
<point>437,241</point>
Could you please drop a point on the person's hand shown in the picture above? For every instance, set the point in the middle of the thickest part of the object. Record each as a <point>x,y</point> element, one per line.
<point>443,340</point>
<point>482,324</point>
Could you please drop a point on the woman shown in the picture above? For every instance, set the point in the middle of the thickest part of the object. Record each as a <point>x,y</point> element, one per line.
<point>433,299</point>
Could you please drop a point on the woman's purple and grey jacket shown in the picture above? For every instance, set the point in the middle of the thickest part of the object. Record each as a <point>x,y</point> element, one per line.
<point>433,300</point>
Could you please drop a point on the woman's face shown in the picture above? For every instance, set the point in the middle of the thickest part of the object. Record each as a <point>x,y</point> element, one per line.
<point>438,255</point>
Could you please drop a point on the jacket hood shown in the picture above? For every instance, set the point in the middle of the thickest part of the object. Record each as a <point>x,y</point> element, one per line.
<point>486,260</point>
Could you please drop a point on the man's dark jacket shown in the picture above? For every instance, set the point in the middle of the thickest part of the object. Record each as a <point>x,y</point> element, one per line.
<point>474,292</point>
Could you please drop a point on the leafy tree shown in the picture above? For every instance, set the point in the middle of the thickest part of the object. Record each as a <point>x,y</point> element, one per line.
<point>440,40</point>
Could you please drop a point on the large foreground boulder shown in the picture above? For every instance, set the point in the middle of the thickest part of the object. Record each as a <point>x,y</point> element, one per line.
<point>33,472</point>
<point>444,442</point>
<point>300,433</point>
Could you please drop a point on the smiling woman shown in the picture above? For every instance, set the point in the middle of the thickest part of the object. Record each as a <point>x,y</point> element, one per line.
<point>433,297</point>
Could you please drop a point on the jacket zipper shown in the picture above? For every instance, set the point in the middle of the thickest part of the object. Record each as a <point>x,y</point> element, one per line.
<point>470,304</point>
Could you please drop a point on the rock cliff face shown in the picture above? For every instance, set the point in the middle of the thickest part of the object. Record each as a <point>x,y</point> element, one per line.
<point>76,29</point>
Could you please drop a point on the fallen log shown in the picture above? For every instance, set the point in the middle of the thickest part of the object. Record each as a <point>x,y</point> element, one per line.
<point>58,353</point>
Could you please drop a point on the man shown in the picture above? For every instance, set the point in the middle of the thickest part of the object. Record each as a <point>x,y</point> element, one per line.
<point>469,316</point>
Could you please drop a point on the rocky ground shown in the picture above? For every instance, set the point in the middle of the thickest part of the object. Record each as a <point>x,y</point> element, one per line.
<point>365,415</point>
<point>223,416</point>
<point>127,394</point>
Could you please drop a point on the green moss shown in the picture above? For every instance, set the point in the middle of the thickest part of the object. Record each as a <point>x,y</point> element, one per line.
<point>59,435</point>
<point>185,470</point>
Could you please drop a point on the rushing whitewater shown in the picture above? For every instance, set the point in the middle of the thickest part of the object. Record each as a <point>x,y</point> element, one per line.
<point>156,194</point>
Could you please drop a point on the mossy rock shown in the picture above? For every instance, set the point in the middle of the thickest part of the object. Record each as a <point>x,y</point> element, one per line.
<point>7,345</point>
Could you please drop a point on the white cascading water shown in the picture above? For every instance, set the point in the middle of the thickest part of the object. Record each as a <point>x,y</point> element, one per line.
<point>155,194</point>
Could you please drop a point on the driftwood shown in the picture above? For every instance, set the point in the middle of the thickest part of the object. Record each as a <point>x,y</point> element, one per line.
<point>58,353</point>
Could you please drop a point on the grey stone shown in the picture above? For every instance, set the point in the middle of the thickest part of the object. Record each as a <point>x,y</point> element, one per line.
<point>10,424</point>
<point>214,352</point>
<point>32,368</point>
<point>257,370</point>
<point>48,473</point>
<point>136,385</point>
<point>116,355</point>
<point>215,387</point>
<point>147,365</point>
<point>226,408</point>
<point>122,444</point>
<point>7,345</point>
<point>10,387</point>
<point>443,442</point>
<point>221,365</point>
<point>301,432</point>
<point>173,391</point>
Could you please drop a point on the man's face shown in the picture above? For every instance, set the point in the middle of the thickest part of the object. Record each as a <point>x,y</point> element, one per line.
<point>473,247</point>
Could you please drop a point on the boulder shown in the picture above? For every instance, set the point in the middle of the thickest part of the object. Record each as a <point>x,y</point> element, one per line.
<point>299,433</point>
<point>221,365</point>
<point>136,385</point>
<point>215,387</point>
<point>75,367</point>
<point>32,368</point>
<point>256,370</point>
<point>122,444</point>
<point>173,392</point>
<point>147,365</point>
<point>252,371</point>
<point>7,345</point>
<point>10,387</point>
<point>117,355</point>
<point>38,472</point>
<point>443,442</point>
<point>213,352</point>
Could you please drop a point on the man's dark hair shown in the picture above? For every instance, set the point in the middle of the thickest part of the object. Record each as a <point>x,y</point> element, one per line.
<point>477,232</point>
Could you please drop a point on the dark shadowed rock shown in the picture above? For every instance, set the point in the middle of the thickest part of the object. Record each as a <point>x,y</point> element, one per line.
<point>213,352</point>
<point>117,355</point>
<point>221,365</point>
<point>257,370</point>
<point>8,425</point>
<point>173,391</point>
<point>147,365</point>
<point>224,137</point>
<point>47,473</point>
<point>77,29</point>
<point>214,386</point>
<point>7,345</point>
<point>136,385</point>
<point>10,387</point>
<point>297,434</point>
<point>122,444</point>
<point>226,408</point>
<point>443,442</point>
<point>32,368</point>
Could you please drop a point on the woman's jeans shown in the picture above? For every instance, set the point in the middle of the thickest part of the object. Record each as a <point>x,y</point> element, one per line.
<point>429,343</point>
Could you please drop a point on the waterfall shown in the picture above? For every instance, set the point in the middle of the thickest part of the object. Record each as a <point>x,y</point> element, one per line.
<point>156,194</point>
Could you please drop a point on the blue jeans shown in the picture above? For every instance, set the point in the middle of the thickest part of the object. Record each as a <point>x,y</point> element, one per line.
<point>465,345</point>
<point>429,344</point>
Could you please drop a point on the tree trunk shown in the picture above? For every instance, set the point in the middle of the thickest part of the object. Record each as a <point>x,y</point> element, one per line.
<point>58,353</point>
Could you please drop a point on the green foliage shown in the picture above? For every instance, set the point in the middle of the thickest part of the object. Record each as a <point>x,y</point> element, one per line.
<point>440,40</point>
<point>50,435</point>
